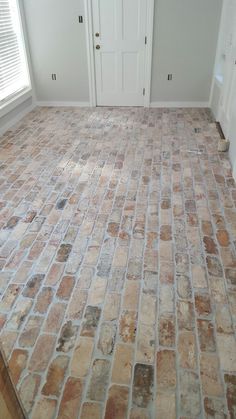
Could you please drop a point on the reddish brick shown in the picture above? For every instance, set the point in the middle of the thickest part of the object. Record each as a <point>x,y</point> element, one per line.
<point>66,287</point>
<point>55,376</point>
<point>117,403</point>
<point>223,238</point>
<point>230,381</point>
<point>203,304</point>
<point>210,245</point>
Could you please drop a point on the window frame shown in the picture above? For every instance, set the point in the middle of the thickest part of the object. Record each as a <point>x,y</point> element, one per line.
<point>25,93</point>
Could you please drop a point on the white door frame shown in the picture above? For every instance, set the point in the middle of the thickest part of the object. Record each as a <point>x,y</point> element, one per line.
<point>90,52</point>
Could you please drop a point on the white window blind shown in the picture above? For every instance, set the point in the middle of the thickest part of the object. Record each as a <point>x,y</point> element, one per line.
<point>14,76</point>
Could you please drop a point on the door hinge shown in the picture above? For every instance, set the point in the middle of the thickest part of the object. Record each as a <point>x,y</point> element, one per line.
<point>145,40</point>
<point>144,90</point>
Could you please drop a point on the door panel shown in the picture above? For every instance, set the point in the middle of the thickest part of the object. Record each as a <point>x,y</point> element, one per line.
<point>108,71</point>
<point>120,60</point>
<point>131,20</point>
<point>130,75</point>
<point>107,17</point>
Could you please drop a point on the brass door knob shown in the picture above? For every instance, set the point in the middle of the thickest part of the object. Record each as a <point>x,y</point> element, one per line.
<point>97,34</point>
<point>98,47</point>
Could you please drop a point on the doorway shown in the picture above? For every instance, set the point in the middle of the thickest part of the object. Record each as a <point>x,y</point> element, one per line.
<point>119,41</point>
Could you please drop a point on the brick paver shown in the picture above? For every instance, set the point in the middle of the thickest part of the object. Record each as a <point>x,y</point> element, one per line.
<point>118,264</point>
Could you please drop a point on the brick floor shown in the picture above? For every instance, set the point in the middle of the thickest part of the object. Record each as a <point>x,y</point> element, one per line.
<point>118,264</point>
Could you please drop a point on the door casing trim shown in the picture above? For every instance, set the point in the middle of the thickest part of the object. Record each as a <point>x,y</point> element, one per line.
<point>90,52</point>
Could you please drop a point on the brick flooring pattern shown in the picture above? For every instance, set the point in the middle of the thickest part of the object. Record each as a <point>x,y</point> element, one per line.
<point>118,264</point>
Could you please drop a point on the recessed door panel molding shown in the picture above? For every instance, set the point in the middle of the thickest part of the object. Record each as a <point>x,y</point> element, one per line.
<point>107,18</point>
<point>119,51</point>
<point>131,10</point>
<point>130,76</point>
<point>108,71</point>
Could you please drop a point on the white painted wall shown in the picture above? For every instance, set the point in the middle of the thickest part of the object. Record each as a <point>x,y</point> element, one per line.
<point>185,38</point>
<point>58,45</point>
<point>223,100</point>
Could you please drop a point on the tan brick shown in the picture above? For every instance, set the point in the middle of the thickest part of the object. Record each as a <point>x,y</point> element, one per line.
<point>91,410</point>
<point>166,370</point>
<point>210,377</point>
<point>111,307</point>
<point>42,353</point>
<point>82,357</point>
<point>17,363</point>
<point>44,408</point>
<point>55,318</point>
<point>187,350</point>
<point>122,367</point>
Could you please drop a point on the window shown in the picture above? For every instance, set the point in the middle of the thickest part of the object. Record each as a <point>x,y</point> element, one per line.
<point>14,75</point>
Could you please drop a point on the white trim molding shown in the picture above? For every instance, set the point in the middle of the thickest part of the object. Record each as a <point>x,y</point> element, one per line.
<point>179,104</point>
<point>234,171</point>
<point>148,61</point>
<point>13,121</point>
<point>15,101</point>
<point>63,104</point>
<point>90,52</point>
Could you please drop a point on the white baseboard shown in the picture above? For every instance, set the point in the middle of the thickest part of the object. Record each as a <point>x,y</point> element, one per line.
<point>234,170</point>
<point>179,105</point>
<point>16,119</point>
<point>63,104</point>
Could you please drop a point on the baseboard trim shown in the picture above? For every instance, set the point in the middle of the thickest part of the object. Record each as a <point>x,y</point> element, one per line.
<point>179,105</point>
<point>63,104</point>
<point>17,119</point>
<point>234,170</point>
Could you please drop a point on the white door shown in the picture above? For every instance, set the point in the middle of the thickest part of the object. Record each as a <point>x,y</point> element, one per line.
<point>119,46</point>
